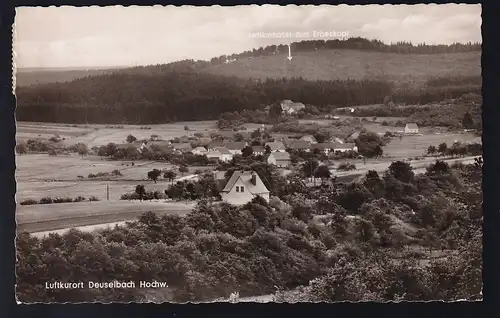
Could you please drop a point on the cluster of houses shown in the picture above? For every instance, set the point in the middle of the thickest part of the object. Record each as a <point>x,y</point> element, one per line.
<point>224,151</point>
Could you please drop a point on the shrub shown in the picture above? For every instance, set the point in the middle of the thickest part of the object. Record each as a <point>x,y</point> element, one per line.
<point>46,200</point>
<point>53,152</point>
<point>116,173</point>
<point>94,199</point>
<point>79,199</point>
<point>28,202</point>
<point>62,200</point>
<point>346,166</point>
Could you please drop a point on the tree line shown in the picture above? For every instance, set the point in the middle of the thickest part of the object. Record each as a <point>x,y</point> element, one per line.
<point>161,98</point>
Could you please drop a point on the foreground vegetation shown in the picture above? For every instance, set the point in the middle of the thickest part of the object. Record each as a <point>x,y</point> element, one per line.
<point>340,241</point>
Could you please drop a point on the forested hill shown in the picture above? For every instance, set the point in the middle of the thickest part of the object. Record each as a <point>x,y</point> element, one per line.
<point>195,90</point>
<point>352,58</point>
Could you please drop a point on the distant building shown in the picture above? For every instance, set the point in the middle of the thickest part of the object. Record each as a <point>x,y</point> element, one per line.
<point>309,138</point>
<point>242,187</point>
<point>336,140</point>
<point>324,147</point>
<point>258,150</point>
<point>199,151</point>
<point>289,108</point>
<point>139,146</point>
<point>276,146</point>
<point>214,144</point>
<point>411,128</point>
<point>182,147</point>
<point>235,147</point>
<point>345,147</point>
<point>224,154</point>
<point>279,159</point>
<point>300,145</point>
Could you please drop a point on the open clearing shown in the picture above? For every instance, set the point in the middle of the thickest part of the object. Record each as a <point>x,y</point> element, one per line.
<point>98,135</point>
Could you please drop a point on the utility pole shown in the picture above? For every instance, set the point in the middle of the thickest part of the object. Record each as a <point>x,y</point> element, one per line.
<point>107,191</point>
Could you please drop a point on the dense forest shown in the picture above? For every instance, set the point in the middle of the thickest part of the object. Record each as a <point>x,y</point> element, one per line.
<point>181,94</point>
<point>394,236</point>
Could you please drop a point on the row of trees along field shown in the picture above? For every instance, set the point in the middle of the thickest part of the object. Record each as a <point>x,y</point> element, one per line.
<point>138,98</point>
<point>409,237</point>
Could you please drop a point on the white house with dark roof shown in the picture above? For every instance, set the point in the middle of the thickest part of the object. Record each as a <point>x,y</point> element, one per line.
<point>224,154</point>
<point>242,187</point>
<point>411,128</point>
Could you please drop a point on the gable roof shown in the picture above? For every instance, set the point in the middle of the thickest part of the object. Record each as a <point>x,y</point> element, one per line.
<point>215,143</point>
<point>299,144</point>
<point>411,126</point>
<point>306,137</point>
<point>276,145</point>
<point>246,178</point>
<point>201,149</point>
<point>347,145</point>
<point>323,146</point>
<point>183,145</point>
<point>280,155</point>
<point>234,145</point>
<point>222,150</point>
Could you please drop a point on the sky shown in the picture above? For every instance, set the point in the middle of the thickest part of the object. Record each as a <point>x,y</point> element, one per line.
<point>128,36</point>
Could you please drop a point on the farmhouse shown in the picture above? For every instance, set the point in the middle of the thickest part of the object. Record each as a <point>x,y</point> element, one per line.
<point>199,151</point>
<point>214,144</point>
<point>276,146</point>
<point>309,139</point>
<point>411,128</point>
<point>242,187</point>
<point>279,159</point>
<point>258,150</point>
<point>324,147</point>
<point>345,147</point>
<point>139,146</point>
<point>288,107</point>
<point>182,147</point>
<point>300,145</point>
<point>224,154</point>
<point>235,147</point>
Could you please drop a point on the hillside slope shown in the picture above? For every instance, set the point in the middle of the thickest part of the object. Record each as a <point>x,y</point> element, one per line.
<point>41,76</point>
<point>354,64</point>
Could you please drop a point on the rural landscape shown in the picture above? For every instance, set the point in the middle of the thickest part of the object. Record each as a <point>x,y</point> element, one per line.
<point>351,171</point>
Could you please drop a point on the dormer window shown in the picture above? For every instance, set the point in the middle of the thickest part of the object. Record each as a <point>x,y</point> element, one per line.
<point>237,189</point>
<point>242,189</point>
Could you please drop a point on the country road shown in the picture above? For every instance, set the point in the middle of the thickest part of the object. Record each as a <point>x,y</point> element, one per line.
<point>46,217</point>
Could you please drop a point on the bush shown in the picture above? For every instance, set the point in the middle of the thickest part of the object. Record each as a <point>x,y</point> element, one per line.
<point>28,202</point>
<point>346,166</point>
<point>62,200</point>
<point>116,173</point>
<point>94,199</point>
<point>46,200</point>
<point>79,199</point>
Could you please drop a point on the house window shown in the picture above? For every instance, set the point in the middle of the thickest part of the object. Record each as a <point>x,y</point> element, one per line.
<point>242,189</point>
<point>237,189</point>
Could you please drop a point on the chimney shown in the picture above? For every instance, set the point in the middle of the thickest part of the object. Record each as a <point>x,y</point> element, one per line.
<point>254,179</point>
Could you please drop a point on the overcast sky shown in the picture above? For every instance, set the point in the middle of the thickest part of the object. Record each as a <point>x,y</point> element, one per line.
<point>116,36</point>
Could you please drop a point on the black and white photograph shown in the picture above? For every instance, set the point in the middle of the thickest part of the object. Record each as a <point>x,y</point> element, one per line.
<point>182,154</point>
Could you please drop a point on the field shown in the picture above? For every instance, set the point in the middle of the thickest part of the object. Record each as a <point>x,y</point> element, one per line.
<point>37,218</point>
<point>98,135</point>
